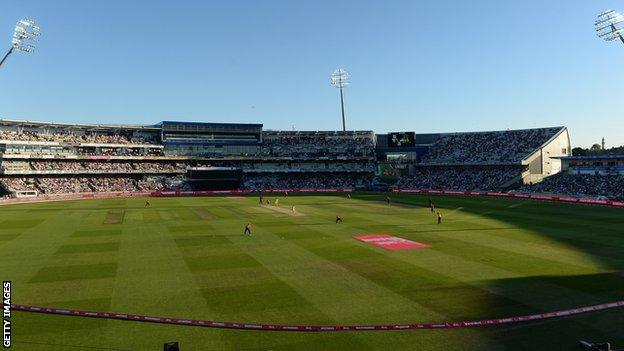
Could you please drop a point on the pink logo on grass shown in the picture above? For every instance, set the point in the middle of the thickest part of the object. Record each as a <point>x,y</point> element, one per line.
<point>390,242</point>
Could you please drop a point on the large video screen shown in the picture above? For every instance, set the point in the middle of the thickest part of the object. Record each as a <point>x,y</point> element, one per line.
<point>402,139</point>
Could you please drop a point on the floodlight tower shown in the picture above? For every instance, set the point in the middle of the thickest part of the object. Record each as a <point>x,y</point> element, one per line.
<point>609,26</point>
<point>24,36</point>
<point>340,79</point>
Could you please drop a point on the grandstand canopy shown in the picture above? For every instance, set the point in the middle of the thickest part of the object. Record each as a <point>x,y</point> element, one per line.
<point>42,124</point>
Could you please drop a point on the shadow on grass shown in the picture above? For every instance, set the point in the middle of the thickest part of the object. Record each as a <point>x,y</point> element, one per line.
<point>598,232</point>
<point>559,293</point>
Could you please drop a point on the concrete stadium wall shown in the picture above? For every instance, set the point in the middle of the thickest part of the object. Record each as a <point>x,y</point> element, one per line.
<point>542,163</point>
<point>557,147</point>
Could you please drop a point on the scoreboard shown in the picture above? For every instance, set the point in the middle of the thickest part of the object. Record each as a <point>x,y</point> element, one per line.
<point>401,139</point>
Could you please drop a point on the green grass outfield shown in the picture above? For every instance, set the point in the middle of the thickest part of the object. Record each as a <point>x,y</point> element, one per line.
<point>187,257</point>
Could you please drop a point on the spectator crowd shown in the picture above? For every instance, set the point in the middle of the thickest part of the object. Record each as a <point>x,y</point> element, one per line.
<point>67,185</point>
<point>65,151</point>
<point>307,181</point>
<point>96,166</point>
<point>78,137</point>
<point>461,178</point>
<point>317,145</point>
<point>510,146</point>
<point>315,160</point>
<point>309,166</point>
<point>580,185</point>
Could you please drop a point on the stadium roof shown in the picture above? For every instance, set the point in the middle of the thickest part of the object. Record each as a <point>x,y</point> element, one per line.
<point>317,132</point>
<point>75,125</point>
<point>505,130</point>
<point>213,124</point>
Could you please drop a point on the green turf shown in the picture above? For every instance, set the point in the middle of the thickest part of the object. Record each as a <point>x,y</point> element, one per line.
<point>188,257</point>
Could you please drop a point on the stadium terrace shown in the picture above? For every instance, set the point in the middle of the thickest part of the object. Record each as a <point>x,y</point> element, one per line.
<point>40,158</point>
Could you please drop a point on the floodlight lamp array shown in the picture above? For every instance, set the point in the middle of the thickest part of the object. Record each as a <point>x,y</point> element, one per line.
<point>25,34</point>
<point>609,26</point>
<point>340,78</point>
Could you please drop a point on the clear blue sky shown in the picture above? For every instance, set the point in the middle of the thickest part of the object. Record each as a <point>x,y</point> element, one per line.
<point>427,66</point>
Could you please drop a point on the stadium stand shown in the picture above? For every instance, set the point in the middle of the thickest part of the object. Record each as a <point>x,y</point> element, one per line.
<point>498,160</point>
<point>103,167</point>
<point>67,185</point>
<point>305,181</point>
<point>56,158</point>
<point>580,185</point>
<point>68,137</point>
<point>51,158</point>
<point>505,147</point>
<point>599,176</point>
<point>460,178</point>
<point>318,144</point>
